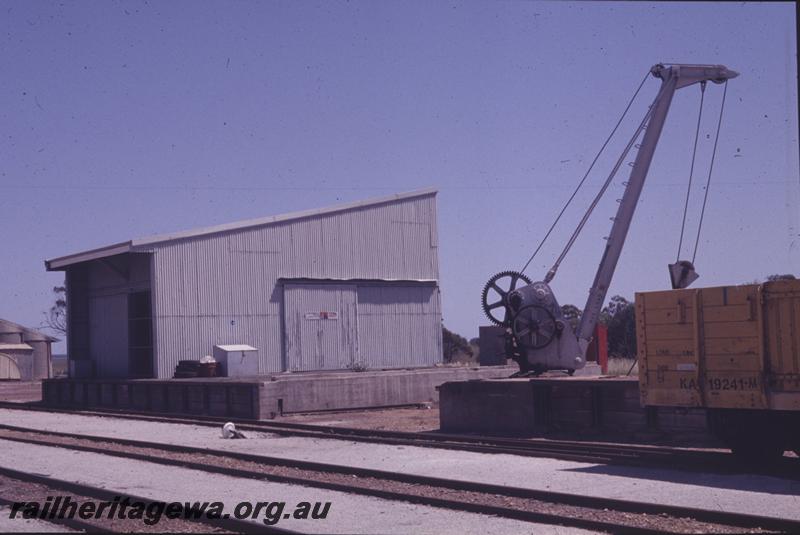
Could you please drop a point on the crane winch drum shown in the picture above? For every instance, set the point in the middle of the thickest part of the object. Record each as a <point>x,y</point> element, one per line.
<point>538,336</point>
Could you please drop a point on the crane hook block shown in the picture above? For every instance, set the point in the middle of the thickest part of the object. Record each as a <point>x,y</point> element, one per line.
<point>682,274</point>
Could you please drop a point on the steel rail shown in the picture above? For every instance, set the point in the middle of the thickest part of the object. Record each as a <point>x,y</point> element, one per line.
<point>577,500</point>
<point>528,516</point>
<point>99,493</point>
<point>440,441</point>
<point>350,432</point>
<point>578,451</point>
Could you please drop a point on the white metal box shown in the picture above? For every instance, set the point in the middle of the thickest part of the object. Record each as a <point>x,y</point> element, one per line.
<point>236,360</point>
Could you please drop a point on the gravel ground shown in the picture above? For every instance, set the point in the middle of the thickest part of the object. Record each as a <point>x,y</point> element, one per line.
<point>348,513</point>
<point>745,493</point>
<point>676,525</point>
<point>28,525</point>
<point>425,418</point>
<point>22,491</point>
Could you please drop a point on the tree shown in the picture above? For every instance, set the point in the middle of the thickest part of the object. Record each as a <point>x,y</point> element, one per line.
<point>619,316</point>
<point>572,315</point>
<point>56,317</point>
<point>776,277</point>
<point>453,344</point>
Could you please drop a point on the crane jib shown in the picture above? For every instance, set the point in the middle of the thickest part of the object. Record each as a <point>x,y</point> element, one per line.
<point>537,335</point>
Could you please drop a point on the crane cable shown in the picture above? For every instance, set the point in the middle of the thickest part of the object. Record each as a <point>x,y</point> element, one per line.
<point>579,228</point>
<point>642,126</point>
<point>710,169</point>
<point>585,176</point>
<point>691,169</point>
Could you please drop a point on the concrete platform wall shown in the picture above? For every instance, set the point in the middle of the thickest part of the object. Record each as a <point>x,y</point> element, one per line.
<point>235,399</point>
<point>262,397</point>
<point>587,407</point>
<point>20,390</point>
<point>353,390</point>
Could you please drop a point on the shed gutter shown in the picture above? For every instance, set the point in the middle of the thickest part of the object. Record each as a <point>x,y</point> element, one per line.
<point>58,264</point>
<point>329,280</point>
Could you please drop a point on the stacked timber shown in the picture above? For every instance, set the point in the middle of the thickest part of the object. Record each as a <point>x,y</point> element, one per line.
<point>187,369</point>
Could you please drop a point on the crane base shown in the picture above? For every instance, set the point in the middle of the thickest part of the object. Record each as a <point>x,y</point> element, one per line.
<point>606,408</point>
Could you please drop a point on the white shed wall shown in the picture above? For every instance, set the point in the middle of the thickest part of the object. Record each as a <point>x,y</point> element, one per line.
<point>223,288</point>
<point>316,342</point>
<point>399,326</point>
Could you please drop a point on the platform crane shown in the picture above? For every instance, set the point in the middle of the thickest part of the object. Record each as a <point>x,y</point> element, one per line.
<point>538,336</point>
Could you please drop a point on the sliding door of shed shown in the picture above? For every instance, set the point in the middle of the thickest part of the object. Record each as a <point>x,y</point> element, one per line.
<point>321,326</point>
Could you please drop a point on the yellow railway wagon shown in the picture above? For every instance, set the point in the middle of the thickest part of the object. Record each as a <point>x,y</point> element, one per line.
<point>734,350</point>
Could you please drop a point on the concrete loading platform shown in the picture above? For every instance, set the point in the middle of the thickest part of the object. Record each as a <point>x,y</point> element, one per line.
<point>20,390</point>
<point>583,407</point>
<point>262,397</point>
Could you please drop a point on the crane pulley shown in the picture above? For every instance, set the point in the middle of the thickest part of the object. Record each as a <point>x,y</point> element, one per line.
<point>537,335</point>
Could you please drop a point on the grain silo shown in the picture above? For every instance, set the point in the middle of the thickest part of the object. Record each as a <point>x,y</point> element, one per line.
<point>25,353</point>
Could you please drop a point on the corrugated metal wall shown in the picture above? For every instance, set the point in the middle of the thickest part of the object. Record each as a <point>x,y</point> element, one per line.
<point>321,327</point>
<point>223,288</point>
<point>399,326</point>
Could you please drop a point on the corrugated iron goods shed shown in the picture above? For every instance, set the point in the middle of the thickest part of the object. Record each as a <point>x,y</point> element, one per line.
<point>347,287</point>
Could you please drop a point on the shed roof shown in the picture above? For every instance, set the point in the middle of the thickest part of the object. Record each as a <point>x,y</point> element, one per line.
<point>143,244</point>
<point>15,347</point>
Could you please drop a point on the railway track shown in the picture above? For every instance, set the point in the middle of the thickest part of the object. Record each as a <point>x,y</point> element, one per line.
<point>45,486</point>
<point>545,507</point>
<point>578,451</point>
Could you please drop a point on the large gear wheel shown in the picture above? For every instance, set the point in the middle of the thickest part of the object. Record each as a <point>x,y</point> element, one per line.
<point>495,295</point>
<point>534,327</point>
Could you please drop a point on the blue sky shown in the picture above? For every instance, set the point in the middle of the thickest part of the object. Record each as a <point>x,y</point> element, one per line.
<point>125,119</point>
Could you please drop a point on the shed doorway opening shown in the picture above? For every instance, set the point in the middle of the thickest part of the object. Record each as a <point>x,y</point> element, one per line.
<point>140,335</point>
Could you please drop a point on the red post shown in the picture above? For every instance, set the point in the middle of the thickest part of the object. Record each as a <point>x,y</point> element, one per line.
<point>598,348</point>
<point>601,345</point>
